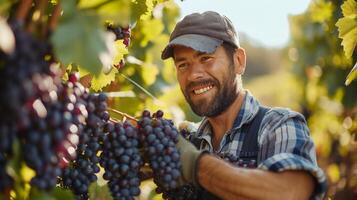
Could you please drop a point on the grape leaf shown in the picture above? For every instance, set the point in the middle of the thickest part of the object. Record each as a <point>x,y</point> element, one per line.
<point>4,7</point>
<point>349,8</point>
<point>141,9</point>
<point>80,38</point>
<point>121,50</point>
<point>321,11</point>
<point>108,10</point>
<point>149,72</point>
<point>60,193</point>
<point>99,192</point>
<point>347,27</point>
<point>55,194</point>
<point>103,80</point>
<point>352,75</point>
<point>151,29</point>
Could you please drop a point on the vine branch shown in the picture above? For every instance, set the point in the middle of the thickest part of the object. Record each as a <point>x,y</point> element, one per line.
<point>23,10</point>
<point>52,23</point>
<point>123,114</point>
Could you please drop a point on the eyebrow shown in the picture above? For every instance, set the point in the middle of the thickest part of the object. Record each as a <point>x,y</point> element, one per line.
<point>197,54</point>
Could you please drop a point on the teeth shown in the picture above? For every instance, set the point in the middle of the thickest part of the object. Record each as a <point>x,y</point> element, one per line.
<point>202,90</point>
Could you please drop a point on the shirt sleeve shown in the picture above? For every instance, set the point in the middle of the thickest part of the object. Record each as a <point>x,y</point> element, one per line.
<point>285,144</point>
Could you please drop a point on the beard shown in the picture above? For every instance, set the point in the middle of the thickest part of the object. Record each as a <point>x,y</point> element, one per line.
<point>224,96</point>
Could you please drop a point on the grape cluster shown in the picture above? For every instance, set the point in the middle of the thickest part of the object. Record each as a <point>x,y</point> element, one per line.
<point>45,111</point>
<point>121,160</point>
<point>185,192</point>
<point>51,144</point>
<point>159,137</point>
<point>6,139</point>
<point>83,169</point>
<point>121,33</point>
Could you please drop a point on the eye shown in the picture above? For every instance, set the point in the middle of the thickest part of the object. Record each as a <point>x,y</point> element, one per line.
<point>205,58</point>
<point>181,65</point>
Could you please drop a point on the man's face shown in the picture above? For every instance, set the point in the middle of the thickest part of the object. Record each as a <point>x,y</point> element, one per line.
<point>208,81</point>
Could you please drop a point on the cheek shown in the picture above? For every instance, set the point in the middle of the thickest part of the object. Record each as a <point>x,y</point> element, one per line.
<point>180,80</point>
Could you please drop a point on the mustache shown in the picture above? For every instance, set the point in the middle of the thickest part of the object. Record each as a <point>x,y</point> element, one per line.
<point>193,84</point>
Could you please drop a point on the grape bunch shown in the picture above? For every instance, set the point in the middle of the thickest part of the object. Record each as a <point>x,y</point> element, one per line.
<point>159,137</point>
<point>82,171</point>
<point>51,144</point>
<point>7,137</point>
<point>121,160</point>
<point>121,33</point>
<point>42,108</point>
<point>185,192</point>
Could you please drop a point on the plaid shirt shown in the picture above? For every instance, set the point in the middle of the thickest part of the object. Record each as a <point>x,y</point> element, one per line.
<point>283,140</point>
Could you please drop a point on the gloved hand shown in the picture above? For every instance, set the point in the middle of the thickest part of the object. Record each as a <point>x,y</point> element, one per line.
<point>189,158</point>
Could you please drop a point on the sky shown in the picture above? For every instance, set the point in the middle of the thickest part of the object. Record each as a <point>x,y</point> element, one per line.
<point>265,21</point>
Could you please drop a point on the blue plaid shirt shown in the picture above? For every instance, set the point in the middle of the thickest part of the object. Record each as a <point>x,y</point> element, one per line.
<point>283,140</point>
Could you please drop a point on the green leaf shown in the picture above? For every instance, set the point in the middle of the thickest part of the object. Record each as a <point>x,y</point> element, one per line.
<point>130,10</point>
<point>121,50</point>
<point>36,194</point>
<point>55,194</point>
<point>141,9</point>
<point>321,11</point>
<point>151,29</point>
<point>14,166</point>
<point>347,27</point>
<point>60,193</point>
<point>82,71</point>
<point>349,8</point>
<point>27,173</point>
<point>352,75</point>
<point>4,7</point>
<point>103,80</point>
<point>80,38</point>
<point>117,11</point>
<point>99,192</point>
<point>149,72</point>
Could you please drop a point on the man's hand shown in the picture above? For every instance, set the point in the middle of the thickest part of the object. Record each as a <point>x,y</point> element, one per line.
<point>189,157</point>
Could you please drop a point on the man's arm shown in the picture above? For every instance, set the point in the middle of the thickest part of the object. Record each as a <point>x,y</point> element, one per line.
<point>229,182</point>
<point>288,168</point>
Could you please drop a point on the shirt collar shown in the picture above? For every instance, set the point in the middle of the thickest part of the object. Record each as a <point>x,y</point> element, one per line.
<point>249,109</point>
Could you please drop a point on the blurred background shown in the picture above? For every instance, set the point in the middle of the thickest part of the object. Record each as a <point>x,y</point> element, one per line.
<point>295,60</point>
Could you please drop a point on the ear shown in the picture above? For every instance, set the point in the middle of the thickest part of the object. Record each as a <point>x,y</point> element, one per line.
<point>239,61</point>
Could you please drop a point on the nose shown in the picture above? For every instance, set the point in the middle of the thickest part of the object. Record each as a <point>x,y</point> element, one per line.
<point>196,72</point>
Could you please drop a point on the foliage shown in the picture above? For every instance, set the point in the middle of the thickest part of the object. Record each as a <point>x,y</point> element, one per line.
<point>347,27</point>
<point>77,34</point>
<point>331,108</point>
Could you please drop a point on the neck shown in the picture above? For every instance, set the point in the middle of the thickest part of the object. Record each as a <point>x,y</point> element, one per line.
<point>224,122</point>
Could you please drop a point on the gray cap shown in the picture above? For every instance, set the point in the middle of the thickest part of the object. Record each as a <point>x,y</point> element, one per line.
<point>202,32</point>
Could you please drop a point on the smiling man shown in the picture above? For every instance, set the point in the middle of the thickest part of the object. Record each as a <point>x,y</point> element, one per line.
<point>267,152</point>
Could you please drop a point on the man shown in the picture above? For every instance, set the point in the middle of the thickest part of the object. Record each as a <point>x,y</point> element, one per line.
<point>281,155</point>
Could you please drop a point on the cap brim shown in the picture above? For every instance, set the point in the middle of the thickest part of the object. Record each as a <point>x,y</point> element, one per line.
<point>199,43</point>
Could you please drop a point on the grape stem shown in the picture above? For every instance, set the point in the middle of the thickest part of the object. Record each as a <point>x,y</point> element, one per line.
<point>23,10</point>
<point>113,120</point>
<point>123,114</point>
